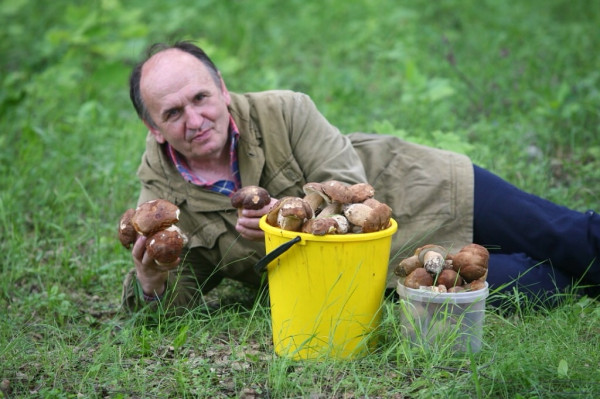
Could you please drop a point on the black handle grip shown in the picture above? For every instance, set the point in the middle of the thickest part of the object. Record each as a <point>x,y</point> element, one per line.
<point>261,265</point>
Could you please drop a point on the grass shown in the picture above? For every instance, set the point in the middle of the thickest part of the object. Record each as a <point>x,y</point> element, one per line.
<point>512,84</point>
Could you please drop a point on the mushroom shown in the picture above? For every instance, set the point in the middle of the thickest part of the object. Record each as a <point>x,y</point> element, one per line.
<point>449,278</point>
<point>289,213</point>
<point>314,195</point>
<point>432,257</point>
<point>418,278</point>
<point>165,246</point>
<point>154,219</point>
<point>368,219</point>
<point>371,202</point>
<point>456,289</point>
<point>342,222</point>
<point>320,226</point>
<point>127,233</point>
<point>471,262</point>
<point>407,265</point>
<point>250,197</point>
<point>337,191</point>
<point>154,215</point>
<point>361,192</point>
<point>475,285</point>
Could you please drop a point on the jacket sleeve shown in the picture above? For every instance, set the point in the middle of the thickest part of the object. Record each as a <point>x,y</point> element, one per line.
<point>320,149</point>
<point>185,289</point>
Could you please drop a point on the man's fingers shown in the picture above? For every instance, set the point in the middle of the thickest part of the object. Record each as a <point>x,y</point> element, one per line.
<point>139,248</point>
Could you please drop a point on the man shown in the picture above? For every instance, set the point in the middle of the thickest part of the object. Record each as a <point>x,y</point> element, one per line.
<point>205,142</point>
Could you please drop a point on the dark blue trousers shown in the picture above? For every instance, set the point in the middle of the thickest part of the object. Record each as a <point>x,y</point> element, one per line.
<point>535,245</point>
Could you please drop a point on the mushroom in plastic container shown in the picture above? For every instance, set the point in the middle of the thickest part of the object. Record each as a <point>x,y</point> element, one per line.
<point>433,257</point>
<point>418,278</point>
<point>471,262</point>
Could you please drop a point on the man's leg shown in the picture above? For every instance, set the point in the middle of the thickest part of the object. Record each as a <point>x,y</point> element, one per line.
<point>510,221</point>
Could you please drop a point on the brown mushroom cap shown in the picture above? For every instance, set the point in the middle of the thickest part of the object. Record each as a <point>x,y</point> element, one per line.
<point>449,278</point>
<point>250,197</point>
<point>367,218</point>
<point>127,233</point>
<point>407,265</point>
<point>418,278</point>
<point>337,191</point>
<point>154,215</point>
<point>314,195</point>
<point>471,262</point>
<point>293,212</point>
<point>165,246</point>
<point>320,227</point>
<point>361,192</point>
<point>274,212</point>
<point>421,251</point>
<point>371,202</point>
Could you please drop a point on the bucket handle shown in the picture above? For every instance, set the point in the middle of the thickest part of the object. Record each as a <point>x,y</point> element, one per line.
<point>261,265</point>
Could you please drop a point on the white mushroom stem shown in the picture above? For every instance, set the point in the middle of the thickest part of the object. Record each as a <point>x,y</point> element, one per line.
<point>433,262</point>
<point>331,209</point>
<point>342,222</point>
<point>315,200</point>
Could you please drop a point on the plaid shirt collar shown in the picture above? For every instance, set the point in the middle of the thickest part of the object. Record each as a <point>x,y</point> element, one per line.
<point>226,187</point>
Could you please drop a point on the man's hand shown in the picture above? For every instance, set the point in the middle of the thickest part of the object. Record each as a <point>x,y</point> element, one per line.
<point>150,275</point>
<point>247,223</point>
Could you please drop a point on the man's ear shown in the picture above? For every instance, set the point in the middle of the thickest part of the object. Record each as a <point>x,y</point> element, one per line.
<point>224,90</point>
<point>160,139</point>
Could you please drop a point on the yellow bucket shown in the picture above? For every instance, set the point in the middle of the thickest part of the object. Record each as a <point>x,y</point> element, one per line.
<point>326,291</point>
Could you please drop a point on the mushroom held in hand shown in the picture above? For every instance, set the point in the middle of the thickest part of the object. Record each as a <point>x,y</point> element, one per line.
<point>154,215</point>
<point>165,246</point>
<point>250,197</point>
<point>154,219</point>
<point>127,233</point>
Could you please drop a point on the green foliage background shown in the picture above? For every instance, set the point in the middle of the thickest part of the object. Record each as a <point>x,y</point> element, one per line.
<point>513,84</point>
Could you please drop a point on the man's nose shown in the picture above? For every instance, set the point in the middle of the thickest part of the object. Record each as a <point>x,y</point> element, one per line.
<point>193,117</point>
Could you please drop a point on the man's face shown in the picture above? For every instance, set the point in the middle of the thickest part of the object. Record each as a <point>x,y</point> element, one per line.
<point>187,106</point>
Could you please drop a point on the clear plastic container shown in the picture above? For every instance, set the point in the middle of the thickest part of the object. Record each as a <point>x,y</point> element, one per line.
<point>431,318</point>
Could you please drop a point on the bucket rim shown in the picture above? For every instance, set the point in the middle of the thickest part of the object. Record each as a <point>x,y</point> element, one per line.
<point>350,237</point>
<point>442,297</point>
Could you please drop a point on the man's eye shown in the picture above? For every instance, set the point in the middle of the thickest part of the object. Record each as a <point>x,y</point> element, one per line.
<point>200,97</point>
<point>170,114</point>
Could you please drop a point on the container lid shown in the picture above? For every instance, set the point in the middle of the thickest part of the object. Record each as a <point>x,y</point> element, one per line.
<point>438,297</point>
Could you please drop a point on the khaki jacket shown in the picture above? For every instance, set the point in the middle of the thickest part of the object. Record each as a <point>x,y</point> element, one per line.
<point>284,143</point>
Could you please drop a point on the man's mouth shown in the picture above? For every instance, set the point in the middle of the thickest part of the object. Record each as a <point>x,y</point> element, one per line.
<point>199,134</point>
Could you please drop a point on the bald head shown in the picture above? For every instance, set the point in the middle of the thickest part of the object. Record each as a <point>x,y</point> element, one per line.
<point>155,50</point>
